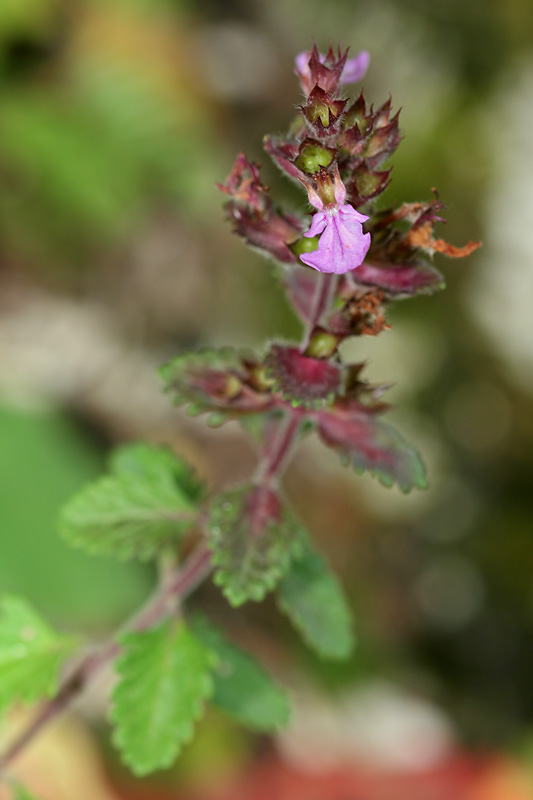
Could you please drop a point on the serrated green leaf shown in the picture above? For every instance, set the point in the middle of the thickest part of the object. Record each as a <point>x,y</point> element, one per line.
<point>312,597</point>
<point>241,687</point>
<point>31,654</point>
<point>253,539</point>
<point>144,459</point>
<point>165,679</point>
<point>127,515</point>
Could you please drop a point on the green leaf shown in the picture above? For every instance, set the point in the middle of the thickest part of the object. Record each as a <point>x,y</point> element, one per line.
<point>314,601</point>
<point>253,539</point>
<point>144,459</point>
<point>165,678</point>
<point>127,515</point>
<point>241,687</point>
<point>31,654</point>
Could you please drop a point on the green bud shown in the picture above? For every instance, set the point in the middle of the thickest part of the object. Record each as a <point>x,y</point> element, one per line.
<point>304,245</point>
<point>312,157</point>
<point>233,386</point>
<point>261,381</point>
<point>322,345</point>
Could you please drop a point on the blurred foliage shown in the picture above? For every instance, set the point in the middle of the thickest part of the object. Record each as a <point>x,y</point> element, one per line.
<point>102,118</point>
<point>44,460</point>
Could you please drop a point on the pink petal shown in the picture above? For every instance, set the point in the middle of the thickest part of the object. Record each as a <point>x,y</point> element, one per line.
<point>301,63</point>
<point>318,224</point>
<point>355,68</point>
<point>342,246</point>
<point>350,212</point>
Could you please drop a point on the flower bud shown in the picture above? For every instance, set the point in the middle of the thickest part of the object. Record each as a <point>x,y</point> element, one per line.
<point>323,344</point>
<point>314,155</point>
<point>323,112</point>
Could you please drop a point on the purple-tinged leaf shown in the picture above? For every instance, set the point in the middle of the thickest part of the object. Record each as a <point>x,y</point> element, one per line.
<point>284,152</point>
<point>301,378</point>
<point>300,286</point>
<point>253,539</point>
<point>272,234</point>
<point>219,381</point>
<point>364,441</point>
<point>254,216</point>
<point>244,185</point>
<point>399,280</point>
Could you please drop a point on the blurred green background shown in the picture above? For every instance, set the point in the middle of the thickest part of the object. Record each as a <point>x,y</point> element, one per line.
<point>116,119</point>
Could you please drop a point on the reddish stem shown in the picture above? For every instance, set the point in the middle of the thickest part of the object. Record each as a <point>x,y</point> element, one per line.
<point>277,451</point>
<point>325,285</point>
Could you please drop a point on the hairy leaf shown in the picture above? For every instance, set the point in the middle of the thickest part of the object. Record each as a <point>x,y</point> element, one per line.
<point>220,381</point>
<point>284,153</point>
<point>312,597</point>
<point>253,539</point>
<point>140,458</point>
<point>31,653</point>
<point>400,280</point>
<point>127,515</point>
<point>253,214</point>
<point>367,443</point>
<point>300,286</point>
<point>301,378</point>
<point>241,687</point>
<point>165,679</point>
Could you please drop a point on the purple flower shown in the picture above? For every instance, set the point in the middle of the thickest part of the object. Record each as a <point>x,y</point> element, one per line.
<point>342,245</point>
<point>354,69</point>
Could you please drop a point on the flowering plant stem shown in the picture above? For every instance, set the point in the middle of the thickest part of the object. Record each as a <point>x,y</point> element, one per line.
<point>150,505</point>
<point>325,287</point>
